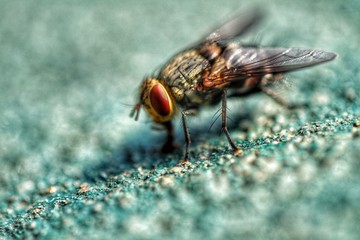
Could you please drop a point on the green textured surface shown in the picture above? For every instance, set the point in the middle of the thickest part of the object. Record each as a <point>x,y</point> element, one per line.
<point>74,166</point>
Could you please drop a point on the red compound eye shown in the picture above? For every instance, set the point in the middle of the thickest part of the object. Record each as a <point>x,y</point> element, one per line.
<point>160,100</point>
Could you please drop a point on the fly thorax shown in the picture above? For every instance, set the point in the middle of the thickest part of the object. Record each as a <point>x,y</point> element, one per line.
<point>183,74</point>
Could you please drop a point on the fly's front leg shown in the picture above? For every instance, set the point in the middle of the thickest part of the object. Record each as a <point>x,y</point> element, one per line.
<point>187,136</point>
<point>224,124</point>
<point>169,145</point>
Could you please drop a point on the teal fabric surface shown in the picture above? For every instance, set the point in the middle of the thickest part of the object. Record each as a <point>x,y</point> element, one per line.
<point>75,166</point>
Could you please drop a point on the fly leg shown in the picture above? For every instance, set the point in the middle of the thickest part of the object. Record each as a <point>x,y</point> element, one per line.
<point>169,145</point>
<point>282,101</point>
<point>187,136</point>
<point>269,78</point>
<point>224,124</point>
<point>243,94</point>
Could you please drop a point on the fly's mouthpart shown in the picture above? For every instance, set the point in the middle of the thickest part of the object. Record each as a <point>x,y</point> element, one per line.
<point>135,111</point>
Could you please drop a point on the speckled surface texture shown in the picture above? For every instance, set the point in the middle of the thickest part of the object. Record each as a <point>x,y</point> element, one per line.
<point>75,166</point>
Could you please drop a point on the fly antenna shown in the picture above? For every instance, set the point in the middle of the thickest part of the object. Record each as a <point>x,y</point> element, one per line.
<point>126,104</point>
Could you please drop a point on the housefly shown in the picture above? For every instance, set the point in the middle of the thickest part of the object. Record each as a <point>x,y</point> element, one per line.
<point>214,69</point>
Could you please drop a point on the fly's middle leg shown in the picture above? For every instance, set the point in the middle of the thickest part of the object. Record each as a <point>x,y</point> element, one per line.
<point>224,124</point>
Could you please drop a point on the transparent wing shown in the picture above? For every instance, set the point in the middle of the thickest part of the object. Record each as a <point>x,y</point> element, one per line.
<point>237,26</point>
<point>259,61</point>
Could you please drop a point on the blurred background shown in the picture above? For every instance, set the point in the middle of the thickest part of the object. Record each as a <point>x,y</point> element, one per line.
<point>69,73</point>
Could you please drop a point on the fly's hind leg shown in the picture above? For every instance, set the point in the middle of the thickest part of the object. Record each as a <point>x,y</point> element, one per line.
<point>271,93</point>
<point>224,124</point>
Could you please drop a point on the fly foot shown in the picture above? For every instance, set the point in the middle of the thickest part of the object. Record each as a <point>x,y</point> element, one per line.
<point>185,162</point>
<point>238,152</point>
